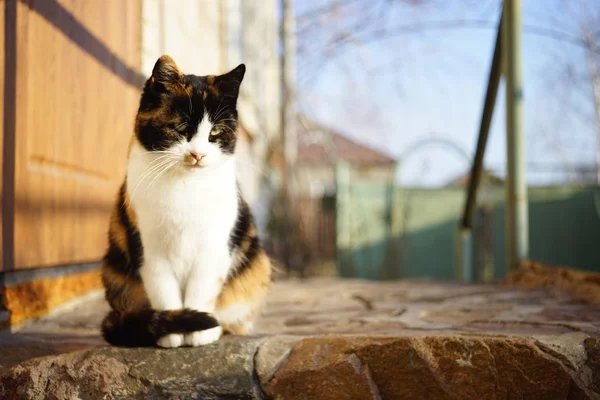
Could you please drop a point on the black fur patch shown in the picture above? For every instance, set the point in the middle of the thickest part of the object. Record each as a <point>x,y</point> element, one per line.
<point>144,327</point>
<point>242,225</point>
<point>125,261</point>
<point>243,241</point>
<point>134,240</point>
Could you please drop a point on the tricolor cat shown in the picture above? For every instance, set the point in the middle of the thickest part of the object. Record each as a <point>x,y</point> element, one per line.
<point>184,263</point>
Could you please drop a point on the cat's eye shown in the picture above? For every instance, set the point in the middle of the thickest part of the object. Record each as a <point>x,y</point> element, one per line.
<point>215,131</point>
<point>181,128</point>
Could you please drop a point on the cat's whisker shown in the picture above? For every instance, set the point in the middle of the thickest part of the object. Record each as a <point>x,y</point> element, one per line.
<point>183,124</point>
<point>155,150</point>
<point>226,129</point>
<point>220,124</point>
<point>158,159</point>
<point>220,111</point>
<point>222,128</point>
<point>156,162</point>
<point>163,162</point>
<point>161,158</point>
<point>143,178</point>
<point>150,171</point>
<point>220,114</point>
<point>165,169</point>
<point>218,107</point>
<point>165,151</point>
<point>152,174</point>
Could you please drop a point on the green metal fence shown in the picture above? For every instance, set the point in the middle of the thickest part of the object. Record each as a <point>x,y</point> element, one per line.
<point>384,234</point>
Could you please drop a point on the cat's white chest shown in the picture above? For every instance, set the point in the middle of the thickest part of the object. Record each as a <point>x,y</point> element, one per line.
<point>184,218</point>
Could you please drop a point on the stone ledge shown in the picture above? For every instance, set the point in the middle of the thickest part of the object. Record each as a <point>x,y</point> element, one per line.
<point>322,367</point>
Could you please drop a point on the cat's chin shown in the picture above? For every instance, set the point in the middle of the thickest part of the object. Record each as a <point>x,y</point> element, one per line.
<point>198,167</point>
<point>212,166</point>
<point>194,166</point>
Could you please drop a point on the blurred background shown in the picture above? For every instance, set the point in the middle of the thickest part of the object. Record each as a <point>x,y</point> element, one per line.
<point>360,121</point>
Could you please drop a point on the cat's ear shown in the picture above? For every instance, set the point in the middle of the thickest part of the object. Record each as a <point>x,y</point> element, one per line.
<point>229,84</point>
<point>166,71</point>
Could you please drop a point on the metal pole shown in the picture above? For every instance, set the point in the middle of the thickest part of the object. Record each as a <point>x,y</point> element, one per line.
<point>464,242</point>
<point>463,256</point>
<point>484,130</point>
<point>517,224</point>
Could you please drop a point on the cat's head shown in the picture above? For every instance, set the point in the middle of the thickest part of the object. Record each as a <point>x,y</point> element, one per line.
<point>187,118</point>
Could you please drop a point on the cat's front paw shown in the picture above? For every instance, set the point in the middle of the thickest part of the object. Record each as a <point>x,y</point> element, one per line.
<point>201,338</point>
<point>170,341</point>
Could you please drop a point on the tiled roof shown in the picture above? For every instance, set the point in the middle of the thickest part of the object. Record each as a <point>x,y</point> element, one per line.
<point>463,180</point>
<point>319,146</point>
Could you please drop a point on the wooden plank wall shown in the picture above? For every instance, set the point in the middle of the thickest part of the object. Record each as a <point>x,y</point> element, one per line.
<point>78,91</point>
<point>7,67</point>
<point>2,104</point>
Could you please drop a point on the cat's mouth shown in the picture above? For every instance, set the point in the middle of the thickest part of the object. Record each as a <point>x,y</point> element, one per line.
<point>194,166</point>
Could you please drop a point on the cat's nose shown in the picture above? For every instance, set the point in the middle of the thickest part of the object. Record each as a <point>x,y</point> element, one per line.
<point>197,156</point>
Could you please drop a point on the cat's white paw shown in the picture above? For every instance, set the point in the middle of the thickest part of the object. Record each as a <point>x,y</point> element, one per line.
<point>203,337</point>
<point>172,340</point>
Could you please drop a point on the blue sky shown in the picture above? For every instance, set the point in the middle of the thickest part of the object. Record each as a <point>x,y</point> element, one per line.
<point>393,93</point>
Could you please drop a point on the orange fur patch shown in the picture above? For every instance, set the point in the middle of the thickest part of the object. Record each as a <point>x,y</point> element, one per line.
<point>118,231</point>
<point>248,287</point>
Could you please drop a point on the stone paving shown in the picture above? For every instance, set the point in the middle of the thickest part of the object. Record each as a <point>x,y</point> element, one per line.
<point>328,338</point>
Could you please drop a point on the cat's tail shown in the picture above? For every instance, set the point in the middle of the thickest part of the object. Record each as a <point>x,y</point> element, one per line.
<point>143,328</point>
